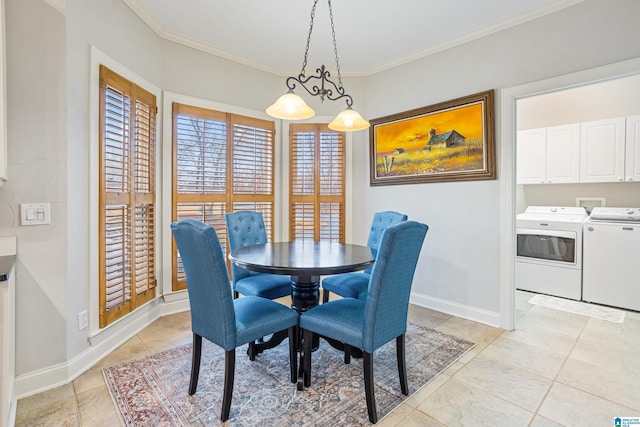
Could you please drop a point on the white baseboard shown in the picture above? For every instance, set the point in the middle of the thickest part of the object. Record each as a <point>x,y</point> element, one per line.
<point>455,309</point>
<point>101,345</point>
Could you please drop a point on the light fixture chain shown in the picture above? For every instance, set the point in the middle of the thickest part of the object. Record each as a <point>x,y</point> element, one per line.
<point>306,51</point>
<point>335,45</point>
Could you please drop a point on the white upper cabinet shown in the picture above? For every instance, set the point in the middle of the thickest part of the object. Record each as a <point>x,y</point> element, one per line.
<point>632,149</point>
<point>602,146</point>
<point>597,151</point>
<point>548,155</point>
<point>563,154</point>
<point>531,156</point>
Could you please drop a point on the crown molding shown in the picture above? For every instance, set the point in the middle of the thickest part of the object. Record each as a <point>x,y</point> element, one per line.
<point>137,7</point>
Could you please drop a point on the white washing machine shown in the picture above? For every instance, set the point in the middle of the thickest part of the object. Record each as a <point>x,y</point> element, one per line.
<point>611,257</point>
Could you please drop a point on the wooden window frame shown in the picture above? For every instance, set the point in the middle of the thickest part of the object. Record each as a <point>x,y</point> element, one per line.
<point>136,199</point>
<point>230,200</point>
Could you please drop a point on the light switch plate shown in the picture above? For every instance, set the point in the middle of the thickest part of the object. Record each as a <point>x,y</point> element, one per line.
<point>35,213</point>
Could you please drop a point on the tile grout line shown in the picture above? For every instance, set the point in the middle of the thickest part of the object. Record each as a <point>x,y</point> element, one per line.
<point>77,403</point>
<point>555,377</point>
<point>574,387</point>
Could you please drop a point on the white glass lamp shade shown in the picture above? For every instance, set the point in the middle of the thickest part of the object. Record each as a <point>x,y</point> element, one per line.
<point>347,121</point>
<point>290,107</point>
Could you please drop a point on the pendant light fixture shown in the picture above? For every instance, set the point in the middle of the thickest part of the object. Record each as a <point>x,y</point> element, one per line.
<point>292,107</point>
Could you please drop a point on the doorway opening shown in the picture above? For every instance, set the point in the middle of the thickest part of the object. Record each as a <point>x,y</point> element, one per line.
<point>514,102</point>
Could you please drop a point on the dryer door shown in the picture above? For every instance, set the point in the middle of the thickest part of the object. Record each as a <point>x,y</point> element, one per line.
<point>544,246</point>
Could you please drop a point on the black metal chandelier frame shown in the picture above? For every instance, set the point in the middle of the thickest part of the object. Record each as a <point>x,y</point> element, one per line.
<point>320,88</point>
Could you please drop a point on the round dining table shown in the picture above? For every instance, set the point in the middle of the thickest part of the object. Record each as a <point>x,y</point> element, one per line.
<point>305,262</point>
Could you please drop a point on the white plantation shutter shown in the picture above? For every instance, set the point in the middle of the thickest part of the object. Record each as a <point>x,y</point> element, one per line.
<point>127,196</point>
<point>222,163</point>
<point>316,183</point>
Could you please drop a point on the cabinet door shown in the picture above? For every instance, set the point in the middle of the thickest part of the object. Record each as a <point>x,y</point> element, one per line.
<point>531,153</point>
<point>602,150</point>
<point>563,154</point>
<point>632,150</point>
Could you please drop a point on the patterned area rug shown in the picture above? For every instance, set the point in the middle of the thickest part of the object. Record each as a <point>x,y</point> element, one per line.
<point>583,308</point>
<point>153,391</point>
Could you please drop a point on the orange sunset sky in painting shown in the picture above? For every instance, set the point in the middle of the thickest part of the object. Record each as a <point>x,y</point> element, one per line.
<point>413,133</point>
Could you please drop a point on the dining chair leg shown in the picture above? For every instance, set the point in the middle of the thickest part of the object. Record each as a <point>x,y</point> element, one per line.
<point>367,363</point>
<point>196,352</point>
<point>227,393</point>
<point>402,366</point>
<point>325,296</point>
<point>307,342</point>
<point>251,351</point>
<point>347,354</point>
<point>293,352</point>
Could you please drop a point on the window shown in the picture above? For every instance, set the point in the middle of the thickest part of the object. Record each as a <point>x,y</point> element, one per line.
<point>316,183</point>
<point>222,163</point>
<point>127,248</point>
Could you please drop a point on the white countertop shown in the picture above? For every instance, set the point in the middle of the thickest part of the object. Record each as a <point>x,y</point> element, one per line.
<point>7,256</point>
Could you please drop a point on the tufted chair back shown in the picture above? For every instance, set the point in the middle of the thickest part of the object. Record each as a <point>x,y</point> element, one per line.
<point>244,228</point>
<point>381,220</point>
<point>219,318</point>
<point>385,312</point>
<point>381,317</point>
<point>212,312</point>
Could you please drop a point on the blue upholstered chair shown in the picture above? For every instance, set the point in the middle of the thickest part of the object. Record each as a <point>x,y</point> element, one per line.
<point>354,285</point>
<point>382,316</point>
<point>215,315</point>
<point>245,228</point>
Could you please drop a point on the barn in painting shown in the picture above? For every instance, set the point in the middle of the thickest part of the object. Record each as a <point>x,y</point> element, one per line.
<point>447,139</point>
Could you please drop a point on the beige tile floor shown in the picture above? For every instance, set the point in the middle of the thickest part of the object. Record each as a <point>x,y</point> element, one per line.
<point>554,369</point>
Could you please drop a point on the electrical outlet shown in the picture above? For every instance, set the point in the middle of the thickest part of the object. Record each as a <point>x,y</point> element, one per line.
<point>83,320</point>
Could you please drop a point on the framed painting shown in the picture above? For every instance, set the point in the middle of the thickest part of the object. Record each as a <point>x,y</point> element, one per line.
<point>449,141</point>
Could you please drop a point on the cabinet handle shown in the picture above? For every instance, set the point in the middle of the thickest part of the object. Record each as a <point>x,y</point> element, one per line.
<point>629,178</point>
<point>620,178</point>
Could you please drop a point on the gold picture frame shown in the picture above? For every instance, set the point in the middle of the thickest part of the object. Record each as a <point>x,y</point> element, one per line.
<point>449,141</point>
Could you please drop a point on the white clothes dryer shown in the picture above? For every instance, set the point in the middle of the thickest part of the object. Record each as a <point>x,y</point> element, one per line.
<point>549,250</point>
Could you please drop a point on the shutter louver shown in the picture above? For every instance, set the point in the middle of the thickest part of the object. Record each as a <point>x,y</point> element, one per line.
<point>117,269</point>
<point>145,149</point>
<point>303,164</point>
<point>202,155</point>
<point>252,160</point>
<point>209,213</point>
<point>144,248</point>
<point>331,220</point>
<point>303,221</point>
<point>116,141</point>
<point>331,164</point>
